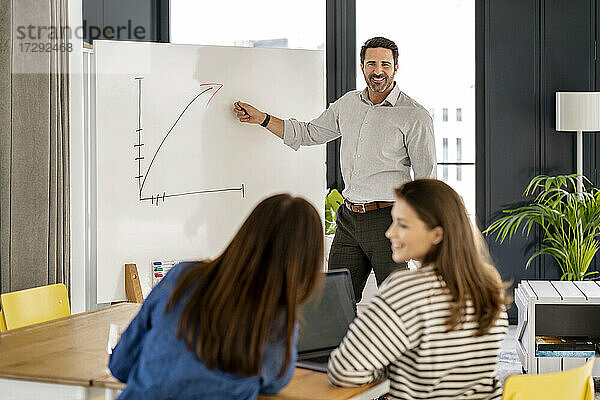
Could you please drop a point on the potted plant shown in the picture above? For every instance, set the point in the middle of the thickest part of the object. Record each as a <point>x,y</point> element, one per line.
<point>569,222</point>
<point>332,202</point>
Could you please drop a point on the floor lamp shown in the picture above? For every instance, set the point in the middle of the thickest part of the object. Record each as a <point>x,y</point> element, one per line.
<point>578,112</point>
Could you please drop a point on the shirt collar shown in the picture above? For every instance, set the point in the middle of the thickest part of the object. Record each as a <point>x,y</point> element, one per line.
<point>391,98</point>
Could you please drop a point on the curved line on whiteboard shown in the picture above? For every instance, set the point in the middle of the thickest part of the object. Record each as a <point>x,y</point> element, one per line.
<point>220,85</point>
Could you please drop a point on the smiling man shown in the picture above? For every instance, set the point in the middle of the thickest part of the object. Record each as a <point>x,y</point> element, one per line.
<point>384,134</point>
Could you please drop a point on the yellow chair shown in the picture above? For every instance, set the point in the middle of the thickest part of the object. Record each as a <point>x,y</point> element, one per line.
<point>574,384</point>
<point>32,306</point>
<point>2,323</point>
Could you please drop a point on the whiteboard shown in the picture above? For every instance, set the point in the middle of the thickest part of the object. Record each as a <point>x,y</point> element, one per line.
<point>176,172</point>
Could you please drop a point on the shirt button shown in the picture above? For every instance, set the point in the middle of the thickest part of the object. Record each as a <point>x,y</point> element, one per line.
<point>365,122</point>
<point>358,156</point>
<point>361,139</point>
<point>353,188</point>
<point>355,172</point>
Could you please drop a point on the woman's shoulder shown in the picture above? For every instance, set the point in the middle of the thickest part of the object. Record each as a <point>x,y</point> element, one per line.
<point>171,278</point>
<point>409,293</point>
<point>421,282</point>
<point>414,281</point>
<point>421,274</point>
<point>176,272</point>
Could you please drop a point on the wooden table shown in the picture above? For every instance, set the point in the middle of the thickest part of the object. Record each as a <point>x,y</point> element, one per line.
<point>307,384</point>
<point>60,359</point>
<point>67,359</point>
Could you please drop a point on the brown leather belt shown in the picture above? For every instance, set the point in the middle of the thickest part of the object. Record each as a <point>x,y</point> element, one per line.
<point>364,207</point>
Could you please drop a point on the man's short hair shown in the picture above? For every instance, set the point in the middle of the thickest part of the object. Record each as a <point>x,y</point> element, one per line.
<point>379,42</point>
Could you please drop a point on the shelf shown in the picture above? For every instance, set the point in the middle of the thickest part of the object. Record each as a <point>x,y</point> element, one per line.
<point>555,308</point>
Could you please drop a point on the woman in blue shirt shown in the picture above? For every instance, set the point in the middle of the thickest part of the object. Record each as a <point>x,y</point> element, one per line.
<point>226,329</point>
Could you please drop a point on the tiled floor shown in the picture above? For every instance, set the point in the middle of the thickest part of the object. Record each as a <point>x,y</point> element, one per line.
<point>370,291</point>
<point>508,361</point>
<point>509,364</point>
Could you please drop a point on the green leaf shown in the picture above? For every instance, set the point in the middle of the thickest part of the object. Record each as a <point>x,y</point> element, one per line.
<point>332,202</point>
<point>569,222</point>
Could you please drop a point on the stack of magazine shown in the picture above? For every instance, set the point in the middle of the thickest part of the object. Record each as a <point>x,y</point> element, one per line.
<point>562,346</point>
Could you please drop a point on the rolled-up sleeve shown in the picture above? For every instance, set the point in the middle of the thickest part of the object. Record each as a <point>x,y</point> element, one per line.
<point>127,351</point>
<point>318,131</point>
<point>420,143</point>
<point>271,383</point>
<point>126,354</point>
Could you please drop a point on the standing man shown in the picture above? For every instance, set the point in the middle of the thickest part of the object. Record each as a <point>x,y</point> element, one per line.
<point>384,133</point>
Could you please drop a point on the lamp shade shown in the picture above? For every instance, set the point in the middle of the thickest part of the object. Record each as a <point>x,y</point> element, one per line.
<point>578,111</point>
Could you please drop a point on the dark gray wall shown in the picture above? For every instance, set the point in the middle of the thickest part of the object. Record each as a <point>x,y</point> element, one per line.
<point>526,51</point>
<point>150,15</point>
<point>341,71</point>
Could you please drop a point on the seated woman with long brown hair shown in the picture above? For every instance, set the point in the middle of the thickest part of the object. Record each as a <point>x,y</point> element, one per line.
<point>435,332</point>
<point>226,329</point>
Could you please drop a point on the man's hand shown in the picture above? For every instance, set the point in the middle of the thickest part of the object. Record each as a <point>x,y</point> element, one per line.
<point>246,113</point>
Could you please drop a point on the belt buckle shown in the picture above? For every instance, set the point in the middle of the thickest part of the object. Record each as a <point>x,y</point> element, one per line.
<point>364,210</point>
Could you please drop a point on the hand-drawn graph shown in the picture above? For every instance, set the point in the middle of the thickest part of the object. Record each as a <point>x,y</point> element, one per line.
<point>207,90</point>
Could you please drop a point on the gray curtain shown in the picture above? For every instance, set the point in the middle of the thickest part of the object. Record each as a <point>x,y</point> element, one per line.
<point>34,144</point>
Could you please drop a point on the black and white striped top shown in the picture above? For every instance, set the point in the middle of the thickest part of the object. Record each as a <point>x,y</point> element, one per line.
<point>403,335</point>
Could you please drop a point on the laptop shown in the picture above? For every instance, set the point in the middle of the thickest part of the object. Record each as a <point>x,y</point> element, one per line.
<point>327,317</point>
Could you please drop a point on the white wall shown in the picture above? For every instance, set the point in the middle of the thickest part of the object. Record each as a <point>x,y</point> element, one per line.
<point>79,280</point>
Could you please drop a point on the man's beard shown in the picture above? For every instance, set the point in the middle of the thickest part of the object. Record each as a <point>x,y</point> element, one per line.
<point>379,87</point>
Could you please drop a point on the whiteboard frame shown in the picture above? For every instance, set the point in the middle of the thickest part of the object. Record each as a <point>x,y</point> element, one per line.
<point>92,222</point>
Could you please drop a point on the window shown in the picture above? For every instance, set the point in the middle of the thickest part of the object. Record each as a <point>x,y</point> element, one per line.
<point>445,150</point>
<point>458,159</point>
<point>203,22</point>
<point>416,26</point>
<point>445,159</point>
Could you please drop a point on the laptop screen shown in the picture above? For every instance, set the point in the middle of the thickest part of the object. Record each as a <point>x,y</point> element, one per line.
<point>327,315</point>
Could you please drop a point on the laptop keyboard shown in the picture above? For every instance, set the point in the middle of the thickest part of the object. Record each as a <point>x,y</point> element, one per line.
<point>320,359</point>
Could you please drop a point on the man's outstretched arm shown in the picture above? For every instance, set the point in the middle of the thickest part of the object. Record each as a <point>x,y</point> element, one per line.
<point>247,113</point>
<point>293,132</point>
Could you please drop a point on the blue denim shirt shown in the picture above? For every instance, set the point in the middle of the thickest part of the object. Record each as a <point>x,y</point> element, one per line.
<point>157,365</point>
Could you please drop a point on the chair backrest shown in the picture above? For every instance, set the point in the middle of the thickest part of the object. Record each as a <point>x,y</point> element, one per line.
<point>32,306</point>
<point>2,323</point>
<point>574,384</point>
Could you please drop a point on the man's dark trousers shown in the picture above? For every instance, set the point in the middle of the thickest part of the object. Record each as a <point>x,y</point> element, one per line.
<point>360,245</point>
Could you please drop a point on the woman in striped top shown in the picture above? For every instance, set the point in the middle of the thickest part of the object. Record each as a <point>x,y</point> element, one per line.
<point>434,332</point>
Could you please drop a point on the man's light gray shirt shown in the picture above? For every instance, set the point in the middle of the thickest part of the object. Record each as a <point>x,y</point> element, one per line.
<point>380,142</point>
